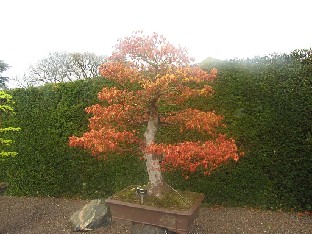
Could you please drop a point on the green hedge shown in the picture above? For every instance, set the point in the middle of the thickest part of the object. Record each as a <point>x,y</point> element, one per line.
<point>46,165</point>
<point>267,104</point>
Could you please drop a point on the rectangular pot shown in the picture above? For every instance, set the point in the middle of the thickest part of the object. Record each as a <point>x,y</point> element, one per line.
<point>174,220</point>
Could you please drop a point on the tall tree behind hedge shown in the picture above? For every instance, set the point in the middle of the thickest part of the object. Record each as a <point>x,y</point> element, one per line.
<point>63,67</point>
<point>3,79</point>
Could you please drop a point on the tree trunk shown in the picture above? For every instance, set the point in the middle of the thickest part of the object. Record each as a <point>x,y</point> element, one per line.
<point>156,184</point>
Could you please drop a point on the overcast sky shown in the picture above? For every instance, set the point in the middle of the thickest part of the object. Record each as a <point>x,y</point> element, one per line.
<point>222,29</point>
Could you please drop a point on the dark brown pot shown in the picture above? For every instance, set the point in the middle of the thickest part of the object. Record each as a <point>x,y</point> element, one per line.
<point>173,220</point>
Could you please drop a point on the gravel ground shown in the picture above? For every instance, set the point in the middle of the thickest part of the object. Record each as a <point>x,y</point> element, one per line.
<point>24,215</point>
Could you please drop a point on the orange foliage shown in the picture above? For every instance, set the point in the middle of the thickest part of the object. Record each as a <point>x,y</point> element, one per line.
<point>161,72</point>
<point>192,119</point>
<point>103,141</point>
<point>119,72</point>
<point>191,156</point>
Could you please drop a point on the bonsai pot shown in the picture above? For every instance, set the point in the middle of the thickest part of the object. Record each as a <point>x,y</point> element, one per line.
<point>173,220</point>
<point>3,187</point>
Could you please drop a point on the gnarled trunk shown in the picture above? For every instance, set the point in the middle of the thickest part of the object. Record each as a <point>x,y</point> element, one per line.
<point>156,183</point>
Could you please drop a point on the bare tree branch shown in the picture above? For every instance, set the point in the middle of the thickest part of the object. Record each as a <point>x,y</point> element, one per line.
<point>64,67</point>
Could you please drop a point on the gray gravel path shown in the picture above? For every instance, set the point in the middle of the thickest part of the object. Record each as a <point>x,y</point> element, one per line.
<point>24,215</point>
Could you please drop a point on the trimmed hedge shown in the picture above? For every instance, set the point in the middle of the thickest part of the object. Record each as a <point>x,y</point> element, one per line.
<point>46,165</point>
<point>267,104</point>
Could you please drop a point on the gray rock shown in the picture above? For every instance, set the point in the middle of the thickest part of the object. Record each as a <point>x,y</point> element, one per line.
<point>92,215</point>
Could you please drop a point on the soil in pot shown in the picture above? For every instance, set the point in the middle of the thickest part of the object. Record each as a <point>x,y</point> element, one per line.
<point>171,200</point>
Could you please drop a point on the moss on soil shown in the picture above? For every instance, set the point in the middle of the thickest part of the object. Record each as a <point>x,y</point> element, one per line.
<point>173,200</point>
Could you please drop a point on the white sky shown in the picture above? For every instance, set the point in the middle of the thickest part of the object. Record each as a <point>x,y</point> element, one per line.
<point>222,29</point>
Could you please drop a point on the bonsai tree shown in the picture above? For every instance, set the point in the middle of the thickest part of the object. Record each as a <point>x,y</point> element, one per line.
<point>148,71</point>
